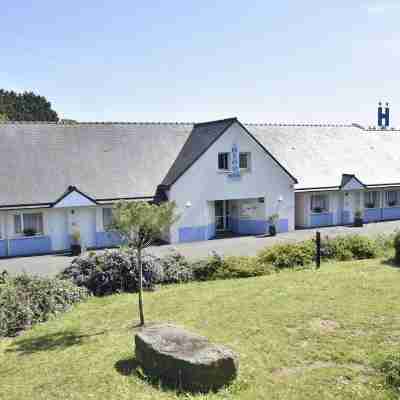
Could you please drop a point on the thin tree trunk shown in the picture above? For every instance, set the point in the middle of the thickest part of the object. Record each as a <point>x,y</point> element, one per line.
<point>139,263</point>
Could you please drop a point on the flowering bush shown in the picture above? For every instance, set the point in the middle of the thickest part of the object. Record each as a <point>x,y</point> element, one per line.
<point>113,271</point>
<point>26,300</point>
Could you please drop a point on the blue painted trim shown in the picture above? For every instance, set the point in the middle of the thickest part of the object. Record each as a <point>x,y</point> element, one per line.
<point>3,248</point>
<point>211,231</point>
<point>252,227</point>
<point>108,239</point>
<point>193,233</point>
<point>372,214</point>
<point>346,217</point>
<point>26,246</point>
<point>282,225</point>
<point>391,213</point>
<point>321,219</point>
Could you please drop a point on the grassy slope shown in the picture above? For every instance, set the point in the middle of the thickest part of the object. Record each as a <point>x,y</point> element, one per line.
<point>272,322</point>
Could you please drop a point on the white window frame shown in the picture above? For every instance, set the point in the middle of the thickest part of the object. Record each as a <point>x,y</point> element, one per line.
<point>228,155</point>
<point>323,210</point>
<point>397,198</point>
<point>248,160</point>
<point>21,215</point>
<point>378,199</point>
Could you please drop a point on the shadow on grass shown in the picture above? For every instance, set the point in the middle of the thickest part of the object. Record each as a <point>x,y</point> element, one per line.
<point>127,367</point>
<point>390,262</point>
<point>54,341</point>
<point>131,367</point>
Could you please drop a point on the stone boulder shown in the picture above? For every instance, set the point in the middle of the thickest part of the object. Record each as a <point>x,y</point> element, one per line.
<point>183,359</point>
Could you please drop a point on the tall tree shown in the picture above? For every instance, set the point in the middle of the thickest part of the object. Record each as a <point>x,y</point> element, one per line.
<point>26,106</point>
<point>140,224</point>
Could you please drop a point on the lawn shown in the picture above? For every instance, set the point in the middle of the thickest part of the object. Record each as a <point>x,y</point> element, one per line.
<point>300,335</point>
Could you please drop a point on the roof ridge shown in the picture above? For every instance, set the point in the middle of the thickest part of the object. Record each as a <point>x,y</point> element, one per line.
<point>326,125</point>
<point>216,121</point>
<point>92,123</point>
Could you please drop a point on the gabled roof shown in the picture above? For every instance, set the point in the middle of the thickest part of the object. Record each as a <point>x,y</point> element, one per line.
<point>350,181</point>
<point>201,138</point>
<point>73,197</point>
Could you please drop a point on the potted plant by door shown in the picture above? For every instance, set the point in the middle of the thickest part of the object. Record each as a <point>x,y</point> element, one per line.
<point>358,219</point>
<point>272,220</point>
<point>76,248</point>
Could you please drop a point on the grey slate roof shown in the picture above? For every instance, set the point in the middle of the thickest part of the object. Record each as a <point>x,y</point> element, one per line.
<point>201,138</point>
<point>39,161</point>
<point>319,155</point>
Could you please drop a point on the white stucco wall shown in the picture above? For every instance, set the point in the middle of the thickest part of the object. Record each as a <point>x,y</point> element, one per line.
<point>203,183</point>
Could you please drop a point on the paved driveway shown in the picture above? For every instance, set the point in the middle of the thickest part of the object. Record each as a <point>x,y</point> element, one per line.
<point>239,246</point>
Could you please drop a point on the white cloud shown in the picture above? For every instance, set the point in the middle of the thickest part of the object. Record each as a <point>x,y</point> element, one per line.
<point>382,8</point>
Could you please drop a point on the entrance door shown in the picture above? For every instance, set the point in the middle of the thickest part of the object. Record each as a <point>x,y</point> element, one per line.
<point>222,215</point>
<point>58,224</point>
<point>86,221</point>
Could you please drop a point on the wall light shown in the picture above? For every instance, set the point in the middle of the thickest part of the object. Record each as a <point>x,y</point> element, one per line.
<point>280,199</point>
<point>188,204</point>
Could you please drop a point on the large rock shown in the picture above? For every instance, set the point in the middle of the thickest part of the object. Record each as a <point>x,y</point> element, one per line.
<point>183,359</point>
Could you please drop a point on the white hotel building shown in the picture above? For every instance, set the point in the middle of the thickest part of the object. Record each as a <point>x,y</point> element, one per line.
<point>224,176</point>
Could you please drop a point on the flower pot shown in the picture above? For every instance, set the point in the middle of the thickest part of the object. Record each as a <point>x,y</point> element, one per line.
<point>272,230</point>
<point>358,222</point>
<point>76,250</point>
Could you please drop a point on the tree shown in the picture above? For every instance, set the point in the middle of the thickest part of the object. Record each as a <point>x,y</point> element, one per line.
<point>26,106</point>
<point>140,224</point>
<point>3,117</point>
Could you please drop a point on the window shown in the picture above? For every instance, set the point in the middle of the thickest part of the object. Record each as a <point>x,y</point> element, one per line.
<point>107,218</point>
<point>371,199</point>
<point>28,224</point>
<point>223,161</point>
<point>392,198</point>
<point>244,160</point>
<point>319,203</point>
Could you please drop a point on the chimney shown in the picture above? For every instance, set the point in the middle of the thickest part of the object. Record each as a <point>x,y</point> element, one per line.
<point>383,116</point>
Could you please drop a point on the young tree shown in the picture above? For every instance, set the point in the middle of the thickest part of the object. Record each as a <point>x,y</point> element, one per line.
<point>140,224</point>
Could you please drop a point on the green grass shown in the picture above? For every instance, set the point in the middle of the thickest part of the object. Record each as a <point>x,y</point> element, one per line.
<point>273,322</point>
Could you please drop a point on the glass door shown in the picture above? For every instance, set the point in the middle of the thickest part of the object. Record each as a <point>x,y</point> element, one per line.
<point>222,215</point>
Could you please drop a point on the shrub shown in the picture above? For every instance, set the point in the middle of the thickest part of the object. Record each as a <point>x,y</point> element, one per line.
<point>217,267</point>
<point>289,255</point>
<point>113,271</point>
<point>175,269</point>
<point>396,243</point>
<point>390,367</point>
<point>349,247</point>
<point>26,300</point>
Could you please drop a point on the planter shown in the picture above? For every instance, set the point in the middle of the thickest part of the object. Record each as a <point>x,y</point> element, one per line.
<point>358,222</point>
<point>272,230</point>
<point>76,250</point>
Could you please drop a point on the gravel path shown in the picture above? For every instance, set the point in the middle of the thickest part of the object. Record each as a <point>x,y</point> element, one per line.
<point>239,246</point>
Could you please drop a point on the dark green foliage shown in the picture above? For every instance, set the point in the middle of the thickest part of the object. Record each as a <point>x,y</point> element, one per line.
<point>113,271</point>
<point>217,267</point>
<point>289,255</point>
<point>349,247</point>
<point>396,243</point>
<point>26,106</point>
<point>26,300</point>
<point>341,248</point>
<point>390,367</point>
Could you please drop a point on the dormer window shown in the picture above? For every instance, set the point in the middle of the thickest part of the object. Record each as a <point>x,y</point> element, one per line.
<point>223,161</point>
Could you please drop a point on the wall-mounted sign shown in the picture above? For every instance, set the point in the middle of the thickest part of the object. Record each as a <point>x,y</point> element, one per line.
<point>235,162</point>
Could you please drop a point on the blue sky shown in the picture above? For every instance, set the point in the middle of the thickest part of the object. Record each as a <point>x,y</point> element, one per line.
<point>262,61</point>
